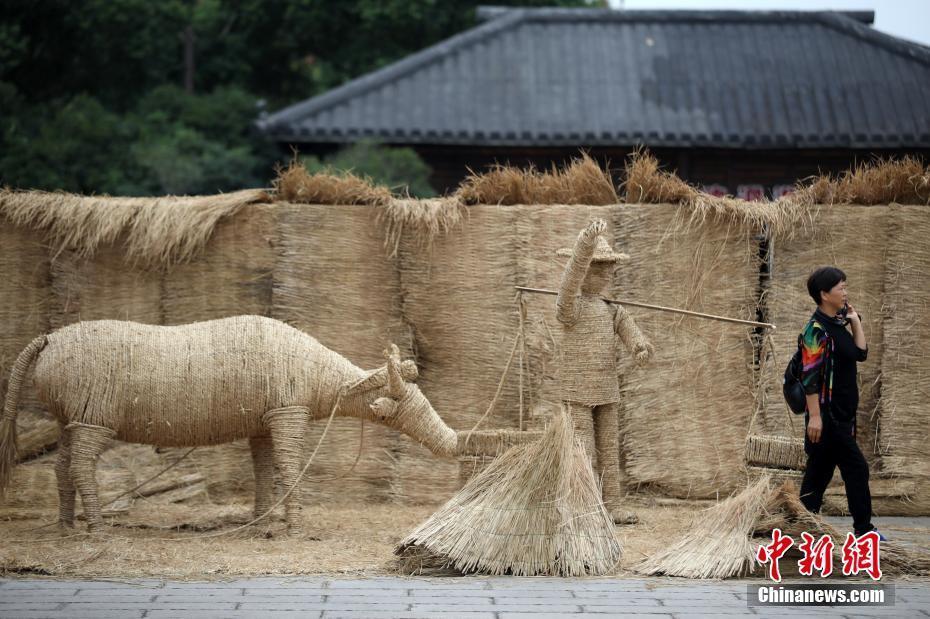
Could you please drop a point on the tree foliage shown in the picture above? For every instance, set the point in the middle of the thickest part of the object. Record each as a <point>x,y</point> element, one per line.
<point>93,98</point>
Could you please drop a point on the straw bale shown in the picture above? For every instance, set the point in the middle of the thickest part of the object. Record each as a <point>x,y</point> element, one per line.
<point>904,416</point>
<point>295,184</point>
<point>459,297</point>
<point>334,280</point>
<point>582,181</point>
<point>853,238</point>
<point>685,417</point>
<point>233,274</point>
<point>25,295</point>
<point>158,231</point>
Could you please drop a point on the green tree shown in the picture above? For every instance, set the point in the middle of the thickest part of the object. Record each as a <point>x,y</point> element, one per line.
<point>93,96</point>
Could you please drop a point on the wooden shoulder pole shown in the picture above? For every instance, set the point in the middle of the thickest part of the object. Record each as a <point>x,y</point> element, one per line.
<point>674,310</point>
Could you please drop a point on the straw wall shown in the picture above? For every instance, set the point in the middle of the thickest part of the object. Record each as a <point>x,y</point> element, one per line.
<point>334,281</point>
<point>458,295</point>
<point>103,287</point>
<point>451,304</point>
<point>685,418</point>
<point>853,238</point>
<point>24,314</point>
<point>231,276</point>
<point>905,364</point>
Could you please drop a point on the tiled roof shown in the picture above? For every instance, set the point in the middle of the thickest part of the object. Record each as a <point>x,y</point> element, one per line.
<point>542,77</point>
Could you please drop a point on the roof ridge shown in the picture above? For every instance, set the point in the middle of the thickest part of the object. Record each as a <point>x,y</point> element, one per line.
<point>392,70</point>
<point>902,47</point>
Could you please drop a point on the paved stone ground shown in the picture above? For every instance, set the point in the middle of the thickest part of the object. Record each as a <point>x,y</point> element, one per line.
<point>467,597</point>
<point>394,598</point>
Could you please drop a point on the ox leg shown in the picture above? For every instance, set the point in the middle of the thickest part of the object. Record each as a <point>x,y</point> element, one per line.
<point>263,467</point>
<point>66,490</point>
<point>87,443</point>
<point>288,427</point>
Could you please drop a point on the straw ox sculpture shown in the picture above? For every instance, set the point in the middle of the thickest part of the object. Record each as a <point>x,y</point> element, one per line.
<point>205,383</point>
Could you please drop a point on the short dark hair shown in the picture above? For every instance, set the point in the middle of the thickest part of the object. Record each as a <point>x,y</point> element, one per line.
<point>823,280</point>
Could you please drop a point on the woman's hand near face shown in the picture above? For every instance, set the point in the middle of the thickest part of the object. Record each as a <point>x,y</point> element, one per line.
<point>851,314</point>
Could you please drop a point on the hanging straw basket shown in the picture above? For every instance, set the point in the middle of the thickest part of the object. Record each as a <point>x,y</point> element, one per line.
<point>776,452</point>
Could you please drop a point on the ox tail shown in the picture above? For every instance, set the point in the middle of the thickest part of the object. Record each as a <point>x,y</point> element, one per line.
<point>8,449</point>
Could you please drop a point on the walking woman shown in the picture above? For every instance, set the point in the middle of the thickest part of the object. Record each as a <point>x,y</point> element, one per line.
<point>832,343</point>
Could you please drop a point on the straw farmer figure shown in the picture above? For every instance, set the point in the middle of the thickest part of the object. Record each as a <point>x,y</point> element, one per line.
<point>588,384</point>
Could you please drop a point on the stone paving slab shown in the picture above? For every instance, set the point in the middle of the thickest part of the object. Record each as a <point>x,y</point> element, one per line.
<point>396,598</point>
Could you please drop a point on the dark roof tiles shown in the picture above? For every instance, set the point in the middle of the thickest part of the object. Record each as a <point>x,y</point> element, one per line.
<point>667,78</point>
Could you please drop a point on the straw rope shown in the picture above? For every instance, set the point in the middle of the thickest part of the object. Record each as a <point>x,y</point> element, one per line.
<point>771,451</point>
<point>500,385</point>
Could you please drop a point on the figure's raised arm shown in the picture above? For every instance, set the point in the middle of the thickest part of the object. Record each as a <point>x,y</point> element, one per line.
<point>575,271</point>
<point>632,337</point>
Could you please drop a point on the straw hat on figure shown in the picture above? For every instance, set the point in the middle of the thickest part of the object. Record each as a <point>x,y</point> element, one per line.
<point>588,384</point>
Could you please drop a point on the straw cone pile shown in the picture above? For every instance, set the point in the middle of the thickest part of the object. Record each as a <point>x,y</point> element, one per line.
<point>722,540</point>
<point>536,510</point>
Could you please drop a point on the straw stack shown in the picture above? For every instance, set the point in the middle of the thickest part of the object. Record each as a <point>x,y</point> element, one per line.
<point>536,510</point>
<point>231,276</point>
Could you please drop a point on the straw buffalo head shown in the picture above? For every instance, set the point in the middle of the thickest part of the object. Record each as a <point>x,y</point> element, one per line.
<point>394,400</point>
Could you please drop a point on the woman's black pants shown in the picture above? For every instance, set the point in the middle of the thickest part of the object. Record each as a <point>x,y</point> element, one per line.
<point>838,448</point>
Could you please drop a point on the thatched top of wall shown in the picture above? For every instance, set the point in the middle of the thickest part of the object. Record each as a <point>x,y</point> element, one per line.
<point>295,184</point>
<point>901,181</point>
<point>162,231</point>
<point>583,181</point>
<point>158,231</point>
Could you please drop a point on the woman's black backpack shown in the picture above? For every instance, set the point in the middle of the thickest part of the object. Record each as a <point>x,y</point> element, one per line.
<point>791,387</point>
